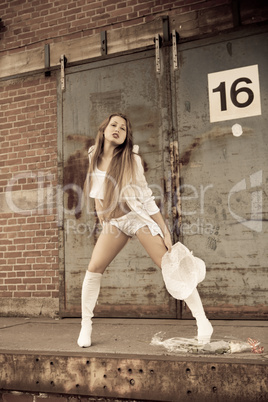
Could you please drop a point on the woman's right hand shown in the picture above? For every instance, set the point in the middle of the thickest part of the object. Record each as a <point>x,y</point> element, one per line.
<point>168,241</point>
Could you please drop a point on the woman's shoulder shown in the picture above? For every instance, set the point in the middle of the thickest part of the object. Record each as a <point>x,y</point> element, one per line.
<point>139,162</point>
<point>135,149</point>
<point>135,153</point>
<point>137,158</point>
<point>91,149</point>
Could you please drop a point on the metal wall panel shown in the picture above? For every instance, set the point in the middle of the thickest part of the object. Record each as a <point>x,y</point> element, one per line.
<point>132,286</point>
<point>223,177</point>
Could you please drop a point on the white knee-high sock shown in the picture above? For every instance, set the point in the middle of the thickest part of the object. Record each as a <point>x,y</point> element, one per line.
<point>90,293</point>
<point>204,327</point>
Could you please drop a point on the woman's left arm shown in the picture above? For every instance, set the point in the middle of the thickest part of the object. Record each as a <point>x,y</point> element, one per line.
<point>158,218</point>
<point>145,196</point>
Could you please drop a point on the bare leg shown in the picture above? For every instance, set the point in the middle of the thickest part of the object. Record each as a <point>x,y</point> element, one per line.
<point>109,243</point>
<point>155,247</point>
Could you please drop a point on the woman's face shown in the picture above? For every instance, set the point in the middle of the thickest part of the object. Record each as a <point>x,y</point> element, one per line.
<point>116,131</point>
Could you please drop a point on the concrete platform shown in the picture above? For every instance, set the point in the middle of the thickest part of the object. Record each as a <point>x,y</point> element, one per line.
<point>41,355</point>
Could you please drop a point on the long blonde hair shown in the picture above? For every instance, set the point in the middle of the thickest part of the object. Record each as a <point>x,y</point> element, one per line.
<point>121,170</point>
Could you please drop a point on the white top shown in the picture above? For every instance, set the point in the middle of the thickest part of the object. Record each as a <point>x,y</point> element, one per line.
<point>138,196</point>
<point>97,177</point>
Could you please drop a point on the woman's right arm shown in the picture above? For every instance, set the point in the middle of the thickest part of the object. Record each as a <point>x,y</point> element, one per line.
<point>144,193</point>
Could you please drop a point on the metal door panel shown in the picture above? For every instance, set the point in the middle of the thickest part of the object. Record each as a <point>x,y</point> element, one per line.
<point>223,191</point>
<point>132,286</point>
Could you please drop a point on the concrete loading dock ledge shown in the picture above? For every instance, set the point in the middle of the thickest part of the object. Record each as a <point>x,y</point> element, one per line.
<point>40,356</point>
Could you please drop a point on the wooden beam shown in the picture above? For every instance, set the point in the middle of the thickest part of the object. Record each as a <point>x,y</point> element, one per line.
<point>79,49</point>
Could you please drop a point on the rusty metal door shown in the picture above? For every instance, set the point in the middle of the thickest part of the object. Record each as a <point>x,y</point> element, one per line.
<point>132,286</point>
<point>221,92</point>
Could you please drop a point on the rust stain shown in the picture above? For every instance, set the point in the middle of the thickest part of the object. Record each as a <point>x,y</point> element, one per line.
<point>186,156</point>
<point>175,174</point>
<point>214,134</point>
<point>74,172</point>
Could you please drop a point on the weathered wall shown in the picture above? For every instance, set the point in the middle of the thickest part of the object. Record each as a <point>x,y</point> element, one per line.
<point>28,214</point>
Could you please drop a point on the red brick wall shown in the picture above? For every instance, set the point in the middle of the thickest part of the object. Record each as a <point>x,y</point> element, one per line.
<point>28,118</point>
<point>29,23</point>
<point>29,244</point>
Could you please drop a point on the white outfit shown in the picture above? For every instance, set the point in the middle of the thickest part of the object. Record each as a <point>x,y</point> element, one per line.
<point>131,223</point>
<point>138,196</point>
<point>98,177</point>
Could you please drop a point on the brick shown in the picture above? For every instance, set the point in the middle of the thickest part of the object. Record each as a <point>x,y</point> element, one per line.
<point>31,280</point>
<point>46,281</point>
<point>20,274</point>
<point>12,281</point>
<point>31,253</point>
<point>5,294</point>
<point>22,294</point>
<point>30,274</point>
<point>41,294</point>
<point>12,228</point>
<point>11,274</point>
<point>22,267</point>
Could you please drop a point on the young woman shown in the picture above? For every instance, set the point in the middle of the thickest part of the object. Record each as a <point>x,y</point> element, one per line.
<point>125,207</point>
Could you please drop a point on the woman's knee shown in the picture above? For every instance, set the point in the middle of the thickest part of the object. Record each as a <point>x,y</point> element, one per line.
<point>96,267</point>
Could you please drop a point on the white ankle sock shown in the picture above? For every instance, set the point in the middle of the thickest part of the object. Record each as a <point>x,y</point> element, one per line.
<point>90,293</point>
<point>204,327</point>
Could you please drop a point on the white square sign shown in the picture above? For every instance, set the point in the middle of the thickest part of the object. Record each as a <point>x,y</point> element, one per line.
<point>234,93</point>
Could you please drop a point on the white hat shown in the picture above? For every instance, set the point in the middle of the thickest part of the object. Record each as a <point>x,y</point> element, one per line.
<point>182,271</point>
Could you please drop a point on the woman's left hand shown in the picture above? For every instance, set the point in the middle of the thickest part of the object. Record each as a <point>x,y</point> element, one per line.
<point>168,241</point>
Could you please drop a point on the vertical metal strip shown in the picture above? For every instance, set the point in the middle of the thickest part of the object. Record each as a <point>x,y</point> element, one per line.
<point>59,198</point>
<point>47,60</point>
<point>63,61</point>
<point>157,53</point>
<point>236,12</point>
<point>166,33</point>
<point>166,107</point>
<point>103,43</point>
<point>174,49</point>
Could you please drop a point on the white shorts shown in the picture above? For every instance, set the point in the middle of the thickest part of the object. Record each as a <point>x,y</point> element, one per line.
<point>131,223</point>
